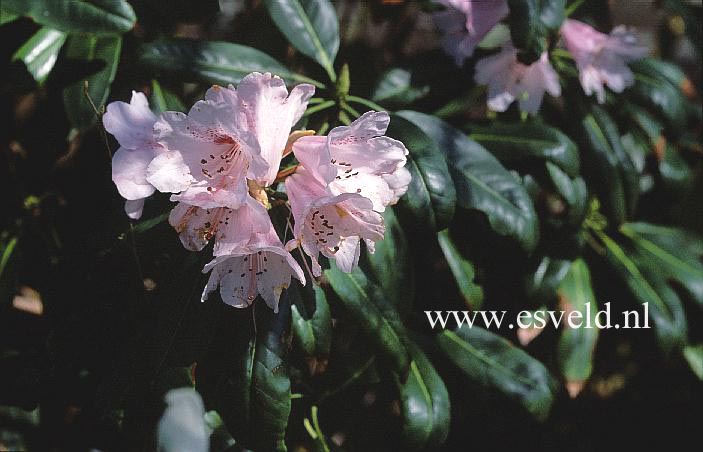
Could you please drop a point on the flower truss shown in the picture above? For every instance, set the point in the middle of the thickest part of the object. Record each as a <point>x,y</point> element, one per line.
<point>221,160</point>
<point>601,59</point>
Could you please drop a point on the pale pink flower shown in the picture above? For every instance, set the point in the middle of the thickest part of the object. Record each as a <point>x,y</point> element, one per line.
<point>260,266</point>
<point>509,80</point>
<point>231,136</point>
<point>131,124</point>
<point>358,159</point>
<point>230,228</point>
<point>464,23</point>
<point>330,224</point>
<point>601,58</point>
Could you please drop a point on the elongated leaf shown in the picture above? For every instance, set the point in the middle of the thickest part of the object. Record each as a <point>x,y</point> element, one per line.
<point>576,345</point>
<point>609,169</point>
<point>251,391</point>
<point>542,282</point>
<point>481,182</point>
<point>694,356</point>
<point>431,196</point>
<point>164,100</point>
<point>311,26</point>
<point>491,361</point>
<point>367,305</point>
<point>521,141</point>
<point>424,405</point>
<point>395,88</point>
<point>572,190</point>
<point>530,24</point>
<point>462,270</point>
<point>390,265</point>
<point>211,61</point>
<point>102,48</point>
<point>77,16</point>
<point>648,286</point>
<point>311,325</point>
<point>658,86</point>
<point>40,52</point>
<point>673,252</point>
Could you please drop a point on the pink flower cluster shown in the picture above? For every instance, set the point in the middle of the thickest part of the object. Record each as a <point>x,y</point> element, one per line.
<point>600,58</point>
<point>219,160</point>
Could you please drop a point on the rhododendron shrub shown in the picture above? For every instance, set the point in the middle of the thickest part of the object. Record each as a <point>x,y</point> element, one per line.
<point>350,225</point>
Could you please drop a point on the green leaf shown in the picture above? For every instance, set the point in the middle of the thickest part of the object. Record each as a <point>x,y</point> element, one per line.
<point>164,100</point>
<point>573,190</point>
<point>425,408</point>
<point>694,356</point>
<point>658,87</point>
<point>608,168</point>
<point>40,52</point>
<point>390,265</point>
<point>647,285</point>
<point>77,16</point>
<point>542,282</point>
<point>481,182</point>
<point>528,140</point>
<point>676,174</point>
<point>90,48</point>
<point>395,88</point>
<point>531,22</point>
<point>311,26</point>
<point>367,305</point>
<point>462,270</point>
<point>672,252</point>
<point>252,389</point>
<point>488,360</point>
<point>311,324</point>
<point>431,197</point>
<point>6,16</point>
<point>576,345</point>
<point>212,62</point>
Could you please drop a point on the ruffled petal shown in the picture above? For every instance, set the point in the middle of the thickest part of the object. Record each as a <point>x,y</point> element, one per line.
<point>129,170</point>
<point>131,123</point>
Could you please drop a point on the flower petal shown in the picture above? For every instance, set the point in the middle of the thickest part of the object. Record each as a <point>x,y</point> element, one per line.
<point>129,169</point>
<point>131,123</point>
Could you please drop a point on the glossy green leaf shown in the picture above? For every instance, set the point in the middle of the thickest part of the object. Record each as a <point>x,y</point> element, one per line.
<point>251,392</point>
<point>481,182</point>
<point>77,16</point>
<point>658,86</point>
<point>572,190</point>
<point>516,142</point>
<point>431,196</point>
<point>212,62</point>
<point>608,168</point>
<point>648,285</point>
<point>164,100</point>
<point>489,360</point>
<point>694,356</point>
<point>391,264</point>
<point>395,88</point>
<point>544,279</point>
<point>425,407</point>
<point>311,325</point>
<point>105,49</point>
<point>675,253</point>
<point>576,345</point>
<point>368,306</point>
<point>676,174</point>
<point>40,52</point>
<point>311,26</point>
<point>462,270</point>
<point>531,22</point>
